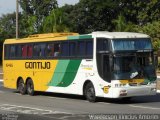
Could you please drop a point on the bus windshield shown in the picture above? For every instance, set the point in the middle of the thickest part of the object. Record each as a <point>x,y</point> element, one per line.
<point>130,67</point>
<point>124,67</point>
<point>132,44</point>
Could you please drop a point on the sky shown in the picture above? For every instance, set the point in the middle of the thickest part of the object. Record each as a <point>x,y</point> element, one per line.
<point>9,6</point>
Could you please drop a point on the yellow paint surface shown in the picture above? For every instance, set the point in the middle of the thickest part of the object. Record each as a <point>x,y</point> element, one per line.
<point>138,81</point>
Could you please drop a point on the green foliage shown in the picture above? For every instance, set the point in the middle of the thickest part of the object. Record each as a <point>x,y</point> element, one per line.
<point>55,22</point>
<point>39,16</point>
<point>140,12</point>
<point>92,15</point>
<point>153,29</point>
<point>7,26</point>
<point>35,11</point>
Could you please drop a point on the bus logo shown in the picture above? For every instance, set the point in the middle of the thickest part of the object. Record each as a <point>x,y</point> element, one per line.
<point>37,65</point>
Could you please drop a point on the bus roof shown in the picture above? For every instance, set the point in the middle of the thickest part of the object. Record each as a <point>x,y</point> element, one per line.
<point>112,35</point>
<point>42,37</point>
<point>65,36</point>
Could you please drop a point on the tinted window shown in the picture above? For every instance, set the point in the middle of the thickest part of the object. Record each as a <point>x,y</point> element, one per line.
<point>29,51</point>
<point>132,44</point>
<point>18,51</point>
<point>50,50</point>
<point>24,50</point>
<point>42,49</point>
<point>7,51</point>
<point>75,48</point>
<point>102,44</point>
<point>72,48</point>
<point>81,48</point>
<point>57,49</point>
<point>12,51</point>
<point>65,49</point>
<point>89,48</point>
<point>39,50</point>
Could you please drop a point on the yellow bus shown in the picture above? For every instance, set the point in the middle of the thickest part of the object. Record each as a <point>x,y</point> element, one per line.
<point>100,64</point>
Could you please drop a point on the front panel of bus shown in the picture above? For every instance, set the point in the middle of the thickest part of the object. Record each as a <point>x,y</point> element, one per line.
<point>128,65</point>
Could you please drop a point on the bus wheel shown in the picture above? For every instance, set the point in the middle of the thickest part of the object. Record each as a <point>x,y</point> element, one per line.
<point>90,92</point>
<point>21,87</point>
<point>30,87</point>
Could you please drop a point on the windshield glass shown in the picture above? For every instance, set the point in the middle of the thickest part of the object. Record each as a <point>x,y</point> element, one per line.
<point>139,66</point>
<point>124,67</point>
<point>132,44</point>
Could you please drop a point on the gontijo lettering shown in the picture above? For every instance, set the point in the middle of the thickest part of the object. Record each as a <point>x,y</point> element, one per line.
<point>37,65</point>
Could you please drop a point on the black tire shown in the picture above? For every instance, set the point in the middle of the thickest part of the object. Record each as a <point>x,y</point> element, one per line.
<point>21,87</point>
<point>30,87</point>
<point>89,92</point>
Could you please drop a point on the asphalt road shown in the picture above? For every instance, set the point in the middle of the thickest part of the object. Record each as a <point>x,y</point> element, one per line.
<point>51,106</point>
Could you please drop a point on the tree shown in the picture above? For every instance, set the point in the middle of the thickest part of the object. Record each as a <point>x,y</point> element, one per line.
<point>35,12</point>
<point>92,15</point>
<point>153,30</point>
<point>140,12</point>
<point>55,22</point>
<point>8,25</point>
<point>121,25</point>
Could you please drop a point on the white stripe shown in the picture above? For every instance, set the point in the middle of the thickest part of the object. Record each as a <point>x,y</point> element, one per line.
<point>1,73</point>
<point>158,76</point>
<point>20,106</point>
<point>1,80</point>
<point>104,103</point>
<point>143,107</point>
<point>158,91</point>
<point>18,109</point>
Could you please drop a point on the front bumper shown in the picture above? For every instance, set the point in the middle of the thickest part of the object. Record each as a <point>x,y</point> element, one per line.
<point>132,91</point>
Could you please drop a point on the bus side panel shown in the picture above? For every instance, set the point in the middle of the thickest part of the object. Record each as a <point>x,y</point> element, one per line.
<point>34,69</point>
<point>41,77</point>
<point>65,73</point>
<point>77,72</point>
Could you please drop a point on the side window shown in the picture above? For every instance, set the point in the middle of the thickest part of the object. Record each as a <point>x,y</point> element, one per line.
<point>50,50</point>
<point>72,49</point>
<point>89,48</point>
<point>18,51</point>
<point>102,44</point>
<point>57,49</point>
<point>15,51</point>
<point>24,51</point>
<point>81,48</point>
<point>29,51</point>
<point>7,51</point>
<point>39,50</point>
<point>12,51</point>
<point>42,49</point>
<point>65,49</point>
<point>36,50</point>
